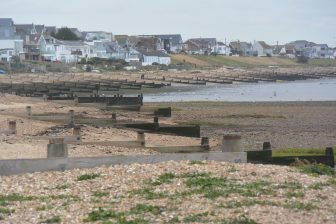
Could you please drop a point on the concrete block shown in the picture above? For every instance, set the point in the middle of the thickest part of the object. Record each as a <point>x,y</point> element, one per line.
<point>231,143</point>
<point>20,166</point>
<point>57,148</point>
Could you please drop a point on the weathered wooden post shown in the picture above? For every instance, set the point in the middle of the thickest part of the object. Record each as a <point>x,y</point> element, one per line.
<point>12,127</point>
<point>156,122</point>
<point>76,100</point>
<point>329,152</point>
<point>72,117</point>
<point>205,143</point>
<point>231,143</point>
<point>267,146</point>
<point>57,148</point>
<point>45,97</point>
<point>76,130</point>
<point>114,117</point>
<point>29,112</point>
<point>141,138</point>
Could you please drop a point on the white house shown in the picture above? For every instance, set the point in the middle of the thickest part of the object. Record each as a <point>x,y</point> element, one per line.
<point>222,49</point>
<point>262,49</point>
<point>319,51</point>
<point>148,58</point>
<point>10,48</point>
<point>64,51</point>
<point>71,51</point>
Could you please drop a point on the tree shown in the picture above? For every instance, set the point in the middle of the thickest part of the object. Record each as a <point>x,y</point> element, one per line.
<point>65,34</point>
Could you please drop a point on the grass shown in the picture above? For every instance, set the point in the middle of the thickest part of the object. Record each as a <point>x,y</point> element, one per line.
<point>100,194</point>
<point>246,203</point>
<point>196,162</point>
<point>90,176</point>
<point>143,208</point>
<point>54,219</point>
<point>290,185</point>
<point>149,193</point>
<point>5,199</point>
<point>317,169</point>
<point>299,205</point>
<point>195,217</point>
<point>299,152</point>
<point>108,215</point>
<point>295,194</point>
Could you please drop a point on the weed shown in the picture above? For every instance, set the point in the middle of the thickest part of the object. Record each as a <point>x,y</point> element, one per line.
<point>293,194</point>
<point>102,214</point>
<point>195,218</point>
<point>15,197</point>
<point>240,220</point>
<point>62,186</point>
<point>299,205</point>
<point>196,162</point>
<point>88,176</point>
<point>6,211</point>
<point>318,169</point>
<point>290,185</point>
<point>164,179</point>
<point>246,203</point>
<point>100,194</point>
<point>149,193</point>
<point>319,185</point>
<point>142,208</point>
<point>54,219</point>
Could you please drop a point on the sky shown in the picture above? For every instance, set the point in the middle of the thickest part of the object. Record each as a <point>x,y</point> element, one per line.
<point>245,20</point>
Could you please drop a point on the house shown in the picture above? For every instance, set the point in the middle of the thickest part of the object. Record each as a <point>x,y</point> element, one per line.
<point>7,29</point>
<point>242,48</point>
<point>150,57</point>
<point>71,51</point>
<point>6,54</point>
<point>222,49</point>
<point>146,43</point>
<point>10,48</point>
<point>277,49</point>
<point>319,51</point>
<point>288,50</point>
<point>301,47</point>
<point>172,43</point>
<point>10,44</point>
<point>63,51</point>
<point>122,40</point>
<point>26,29</point>
<point>31,47</point>
<point>262,49</point>
<point>201,46</point>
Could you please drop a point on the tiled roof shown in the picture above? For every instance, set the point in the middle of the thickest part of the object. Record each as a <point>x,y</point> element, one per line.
<point>6,22</point>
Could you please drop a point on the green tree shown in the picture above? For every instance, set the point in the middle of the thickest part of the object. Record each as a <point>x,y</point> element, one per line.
<point>65,34</point>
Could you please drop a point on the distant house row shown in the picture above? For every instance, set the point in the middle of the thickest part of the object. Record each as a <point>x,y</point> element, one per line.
<point>38,42</point>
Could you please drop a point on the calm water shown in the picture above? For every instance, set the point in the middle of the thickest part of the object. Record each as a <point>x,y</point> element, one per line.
<point>307,90</point>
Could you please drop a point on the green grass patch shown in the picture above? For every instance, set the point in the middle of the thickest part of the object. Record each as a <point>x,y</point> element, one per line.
<point>109,216</point>
<point>295,194</point>
<point>100,194</point>
<point>290,185</point>
<point>61,186</point>
<point>54,219</point>
<point>196,162</point>
<point>6,199</point>
<point>143,208</point>
<point>299,205</point>
<point>164,179</point>
<point>149,193</point>
<point>6,211</point>
<point>195,218</point>
<point>246,203</point>
<point>90,176</point>
<point>240,220</point>
<point>299,152</point>
<point>317,169</point>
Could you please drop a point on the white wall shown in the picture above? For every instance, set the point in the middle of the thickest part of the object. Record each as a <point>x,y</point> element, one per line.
<point>17,45</point>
